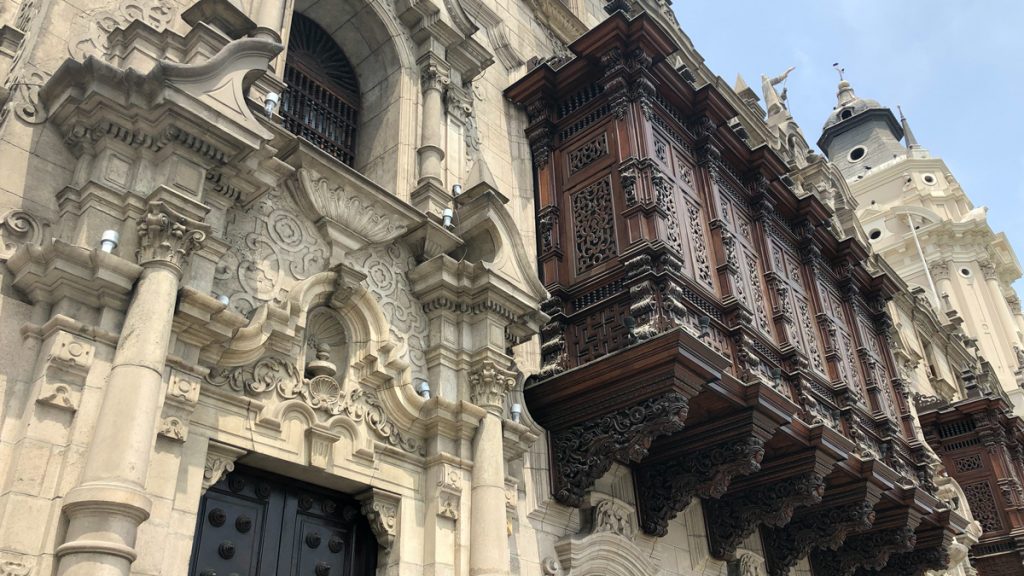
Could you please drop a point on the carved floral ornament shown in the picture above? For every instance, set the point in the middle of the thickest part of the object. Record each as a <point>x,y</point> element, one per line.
<point>275,375</point>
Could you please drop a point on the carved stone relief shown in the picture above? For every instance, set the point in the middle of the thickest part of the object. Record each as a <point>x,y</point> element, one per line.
<point>67,365</point>
<point>90,29</point>
<point>386,269</point>
<point>274,374</point>
<point>272,247</point>
<point>615,516</point>
<point>381,509</point>
<point>20,227</point>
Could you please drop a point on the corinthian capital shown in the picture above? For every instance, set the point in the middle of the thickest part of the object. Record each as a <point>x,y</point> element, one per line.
<point>939,270</point>
<point>434,77</point>
<point>166,236</point>
<point>489,385</point>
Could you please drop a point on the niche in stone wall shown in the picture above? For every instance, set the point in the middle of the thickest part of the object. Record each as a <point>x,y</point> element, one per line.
<point>326,344</point>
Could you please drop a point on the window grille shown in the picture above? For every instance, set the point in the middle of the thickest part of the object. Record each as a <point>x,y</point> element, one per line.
<point>321,103</point>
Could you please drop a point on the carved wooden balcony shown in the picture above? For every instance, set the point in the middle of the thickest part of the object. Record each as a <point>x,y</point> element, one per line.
<point>981,444</point>
<point>708,326</point>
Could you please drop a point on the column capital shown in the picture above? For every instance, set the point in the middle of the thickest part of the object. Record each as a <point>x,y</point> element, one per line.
<point>434,74</point>
<point>489,386</point>
<point>988,269</point>
<point>939,270</point>
<point>168,237</point>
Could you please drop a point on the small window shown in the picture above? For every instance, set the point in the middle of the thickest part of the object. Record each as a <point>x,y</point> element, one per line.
<point>875,234</point>
<point>929,179</point>
<point>857,153</point>
<point>846,114</point>
<point>965,272</point>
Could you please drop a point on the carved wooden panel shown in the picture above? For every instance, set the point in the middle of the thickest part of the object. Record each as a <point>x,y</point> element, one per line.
<point>983,505</point>
<point>599,333</point>
<point>589,152</point>
<point>968,463</point>
<point>594,223</point>
<point>696,226</point>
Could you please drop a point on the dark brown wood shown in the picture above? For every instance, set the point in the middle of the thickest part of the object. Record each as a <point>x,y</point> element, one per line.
<point>981,444</point>
<point>683,270</point>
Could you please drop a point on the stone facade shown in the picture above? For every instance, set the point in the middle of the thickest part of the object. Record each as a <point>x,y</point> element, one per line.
<point>192,296</point>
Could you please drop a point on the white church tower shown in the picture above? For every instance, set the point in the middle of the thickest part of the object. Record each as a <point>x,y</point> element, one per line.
<point>919,218</point>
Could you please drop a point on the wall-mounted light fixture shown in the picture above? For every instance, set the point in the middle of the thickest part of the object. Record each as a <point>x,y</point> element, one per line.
<point>270,103</point>
<point>456,190</point>
<point>109,240</point>
<point>516,411</point>
<point>446,218</point>
<point>423,388</point>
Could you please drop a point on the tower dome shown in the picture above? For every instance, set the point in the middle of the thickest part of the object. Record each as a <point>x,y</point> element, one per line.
<point>860,134</point>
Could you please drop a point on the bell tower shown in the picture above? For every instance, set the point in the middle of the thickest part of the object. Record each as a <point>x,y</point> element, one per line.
<point>860,134</point>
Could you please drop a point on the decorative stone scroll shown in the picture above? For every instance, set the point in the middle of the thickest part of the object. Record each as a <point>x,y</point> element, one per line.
<point>787,545</point>
<point>277,375</point>
<point>586,451</point>
<point>220,461</point>
<point>736,518</point>
<point>20,227</point>
<point>666,488</point>
<point>381,509</point>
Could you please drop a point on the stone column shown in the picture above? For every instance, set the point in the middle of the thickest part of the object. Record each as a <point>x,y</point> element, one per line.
<point>488,549</point>
<point>268,19</point>
<point>1013,301</point>
<point>106,508</point>
<point>999,302</point>
<point>430,195</point>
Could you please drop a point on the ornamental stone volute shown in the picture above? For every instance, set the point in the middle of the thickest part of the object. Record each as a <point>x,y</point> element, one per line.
<point>168,237</point>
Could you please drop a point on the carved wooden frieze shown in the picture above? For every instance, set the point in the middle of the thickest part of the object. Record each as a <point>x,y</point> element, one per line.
<point>666,488</point>
<point>583,453</point>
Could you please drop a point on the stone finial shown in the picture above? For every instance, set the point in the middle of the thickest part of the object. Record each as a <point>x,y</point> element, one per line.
<point>167,236</point>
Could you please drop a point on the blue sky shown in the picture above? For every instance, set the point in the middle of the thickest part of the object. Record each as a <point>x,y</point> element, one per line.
<point>955,66</point>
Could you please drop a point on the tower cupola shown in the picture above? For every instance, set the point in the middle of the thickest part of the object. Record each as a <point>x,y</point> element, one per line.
<point>860,134</point>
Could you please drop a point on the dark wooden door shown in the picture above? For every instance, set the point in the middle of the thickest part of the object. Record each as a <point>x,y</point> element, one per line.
<point>256,524</point>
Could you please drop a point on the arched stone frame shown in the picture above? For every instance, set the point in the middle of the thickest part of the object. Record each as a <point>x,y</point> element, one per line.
<point>376,44</point>
<point>602,554</point>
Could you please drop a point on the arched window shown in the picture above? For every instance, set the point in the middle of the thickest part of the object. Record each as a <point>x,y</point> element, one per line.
<point>321,103</point>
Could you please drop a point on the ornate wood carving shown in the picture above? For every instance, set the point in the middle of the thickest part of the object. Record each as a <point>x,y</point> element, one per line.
<point>869,550</point>
<point>594,223</point>
<point>772,504</point>
<point>666,488</point>
<point>824,528</point>
<point>583,453</point>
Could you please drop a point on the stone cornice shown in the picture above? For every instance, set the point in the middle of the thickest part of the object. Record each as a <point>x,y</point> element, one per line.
<point>57,270</point>
<point>209,94</point>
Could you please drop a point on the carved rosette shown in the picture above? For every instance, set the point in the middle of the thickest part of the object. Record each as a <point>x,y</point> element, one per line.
<point>489,385</point>
<point>665,489</point>
<point>381,509</point>
<point>787,545</point>
<point>585,452</point>
<point>168,237</point>
<point>870,550</point>
<point>737,517</point>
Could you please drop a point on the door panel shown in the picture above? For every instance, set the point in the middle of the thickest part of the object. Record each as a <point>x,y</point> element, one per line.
<point>256,524</point>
